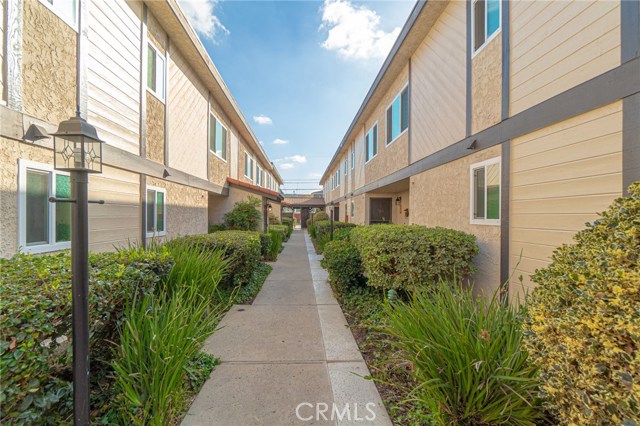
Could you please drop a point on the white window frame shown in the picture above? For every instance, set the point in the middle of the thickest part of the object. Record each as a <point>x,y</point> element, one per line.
<point>155,211</point>
<point>487,40</point>
<point>217,120</point>
<point>386,120</point>
<point>258,175</point>
<point>366,148</point>
<point>23,166</point>
<point>353,158</point>
<point>248,160</point>
<point>58,12</point>
<point>472,168</point>
<point>155,93</point>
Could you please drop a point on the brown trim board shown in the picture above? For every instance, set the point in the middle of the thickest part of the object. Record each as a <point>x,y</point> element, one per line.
<point>630,141</point>
<point>143,209</point>
<point>143,82</point>
<point>611,86</point>
<point>505,185</point>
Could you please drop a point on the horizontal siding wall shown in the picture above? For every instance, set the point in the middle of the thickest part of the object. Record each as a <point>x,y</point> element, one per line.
<point>360,156</point>
<point>438,84</point>
<point>561,176</point>
<point>113,64</point>
<point>556,45</point>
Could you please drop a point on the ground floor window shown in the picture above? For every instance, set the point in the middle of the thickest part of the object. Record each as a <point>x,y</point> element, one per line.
<point>485,192</point>
<point>156,211</point>
<point>43,226</point>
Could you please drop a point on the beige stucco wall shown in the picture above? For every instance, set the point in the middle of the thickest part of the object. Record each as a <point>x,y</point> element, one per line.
<point>186,208</point>
<point>441,197</point>
<point>219,205</point>
<point>561,176</point>
<point>155,129</point>
<point>276,209</point>
<point>556,45</point>
<point>48,64</point>
<point>359,217</point>
<point>486,85</point>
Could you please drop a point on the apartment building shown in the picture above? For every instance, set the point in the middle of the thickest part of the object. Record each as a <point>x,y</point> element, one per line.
<point>178,150</point>
<point>516,121</point>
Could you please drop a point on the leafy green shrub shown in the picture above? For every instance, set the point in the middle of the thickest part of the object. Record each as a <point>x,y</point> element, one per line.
<point>35,320</point>
<point>411,257</point>
<point>196,266</point>
<point>282,229</point>
<point>273,220</point>
<point>265,244</point>
<point>318,216</point>
<point>467,357</point>
<point>322,232</point>
<point>275,245</point>
<point>217,227</point>
<point>242,248</point>
<point>342,260</point>
<point>288,221</point>
<point>583,328</point>
<point>245,215</point>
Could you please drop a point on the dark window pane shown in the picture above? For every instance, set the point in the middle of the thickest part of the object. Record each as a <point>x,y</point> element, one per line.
<point>478,23</point>
<point>160,211</point>
<point>478,185</point>
<point>405,110</point>
<point>390,124</point>
<point>375,140</point>
<point>151,223</point>
<point>37,208</point>
<point>151,68</point>
<point>63,210</point>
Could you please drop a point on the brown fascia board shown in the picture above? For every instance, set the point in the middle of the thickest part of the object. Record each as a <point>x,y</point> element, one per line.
<point>420,21</point>
<point>182,34</point>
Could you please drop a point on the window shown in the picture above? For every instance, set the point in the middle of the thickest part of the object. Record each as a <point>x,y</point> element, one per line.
<point>67,10</point>
<point>43,226</point>
<point>156,211</point>
<point>155,72</point>
<point>346,166</point>
<point>217,137</point>
<point>338,177</point>
<point>486,21</point>
<point>485,192</point>
<point>258,176</point>
<point>398,116</point>
<point>353,159</point>
<point>371,142</point>
<point>248,165</point>
<point>353,210</point>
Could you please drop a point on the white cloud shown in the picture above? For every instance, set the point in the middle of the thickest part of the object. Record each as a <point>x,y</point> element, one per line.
<point>279,141</point>
<point>201,16</point>
<point>286,166</point>
<point>354,31</point>
<point>300,159</point>
<point>262,119</point>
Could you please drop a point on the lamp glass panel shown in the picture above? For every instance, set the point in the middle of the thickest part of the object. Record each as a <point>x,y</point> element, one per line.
<point>37,208</point>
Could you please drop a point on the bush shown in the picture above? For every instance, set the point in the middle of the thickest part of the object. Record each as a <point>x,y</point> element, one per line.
<point>318,216</point>
<point>342,260</point>
<point>288,221</point>
<point>275,245</point>
<point>245,215</point>
<point>217,227</point>
<point>243,248</point>
<point>265,244</point>
<point>273,220</point>
<point>467,357</point>
<point>583,328</point>
<point>35,319</point>
<point>412,257</point>
<point>322,232</point>
<point>282,229</point>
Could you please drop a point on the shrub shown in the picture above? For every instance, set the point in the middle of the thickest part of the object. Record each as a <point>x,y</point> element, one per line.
<point>282,229</point>
<point>322,231</point>
<point>275,245</point>
<point>583,328</point>
<point>288,221</point>
<point>411,257</point>
<point>265,244</point>
<point>467,357</point>
<point>245,215</point>
<point>342,260</point>
<point>217,227</point>
<point>35,319</point>
<point>318,216</point>
<point>273,220</point>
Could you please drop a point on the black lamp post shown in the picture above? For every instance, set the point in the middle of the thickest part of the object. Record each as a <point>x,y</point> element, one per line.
<point>331,221</point>
<point>78,150</point>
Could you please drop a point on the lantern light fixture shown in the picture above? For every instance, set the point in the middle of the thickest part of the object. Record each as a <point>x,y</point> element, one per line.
<point>77,147</point>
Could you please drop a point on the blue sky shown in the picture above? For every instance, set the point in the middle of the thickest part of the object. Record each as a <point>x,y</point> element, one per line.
<point>298,69</point>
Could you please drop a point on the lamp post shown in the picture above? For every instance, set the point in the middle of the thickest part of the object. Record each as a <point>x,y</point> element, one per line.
<point>78,150</point>
<point>331,221</point>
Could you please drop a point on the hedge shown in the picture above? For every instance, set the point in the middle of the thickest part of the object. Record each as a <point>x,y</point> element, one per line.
<point>411,257</point>
<point>323,228</point>
<point>288,221</point>
<point>342,261</point>
<point>583,326</point>
<point>265,244</point>
<point>244,248</point>
<point>284,230</point>
<point>275,245</point>
<point>318,216</point>
<point>35,319</point>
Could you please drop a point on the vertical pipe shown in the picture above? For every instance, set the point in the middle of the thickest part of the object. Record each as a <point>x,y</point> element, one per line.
<point>80,294</point>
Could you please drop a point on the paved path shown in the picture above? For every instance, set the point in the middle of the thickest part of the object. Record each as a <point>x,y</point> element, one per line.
<point>288,359</point>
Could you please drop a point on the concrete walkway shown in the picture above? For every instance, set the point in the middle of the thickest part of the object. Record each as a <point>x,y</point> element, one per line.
<point>288,359</point>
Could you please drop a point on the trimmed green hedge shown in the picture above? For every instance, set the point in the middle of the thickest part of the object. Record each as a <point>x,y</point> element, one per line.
<point>318,216</point>
<point>288,221</point>
<point>35,319</point>
<point>410,257</point>
<point>342,260</point>
<point>284,230</point>
<point>265,244</point>
<point>275,245</point>
<point>322,231</point>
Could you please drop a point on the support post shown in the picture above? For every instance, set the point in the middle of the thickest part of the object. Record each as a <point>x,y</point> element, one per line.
<point>331,223</point>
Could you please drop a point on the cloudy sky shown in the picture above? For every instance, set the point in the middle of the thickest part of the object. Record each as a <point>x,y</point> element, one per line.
<point>298,69</point>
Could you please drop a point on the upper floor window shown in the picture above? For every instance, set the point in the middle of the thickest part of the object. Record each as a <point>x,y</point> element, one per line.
<point>371,142</point>
<point>248,165</point>
<point>486,21</point>
<point>398,115</point>
<point>217,137</point>
<point>258,175</point>
<point>353,159</point>
<point>155,72</point>
<point>67,10</point>
<point>346,166</point>
<point>43,226</point>
<point>485,192</point>
<point>156,211</point>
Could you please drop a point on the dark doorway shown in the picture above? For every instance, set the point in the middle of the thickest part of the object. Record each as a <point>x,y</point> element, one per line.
<point>305,214</point>
<point>380,210</point>
<point>336,213</point>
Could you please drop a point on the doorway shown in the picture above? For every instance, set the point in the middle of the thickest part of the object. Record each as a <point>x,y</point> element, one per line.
<point>379,210</point>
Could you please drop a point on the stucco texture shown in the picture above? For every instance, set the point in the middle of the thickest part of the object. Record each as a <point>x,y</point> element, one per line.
<point>219,205</point>
<point>486,86</point>
<point>155,129</point>
<point>441,197</point>
<point>48,64</point>
<point>186,208</point>
<point>157,36</point>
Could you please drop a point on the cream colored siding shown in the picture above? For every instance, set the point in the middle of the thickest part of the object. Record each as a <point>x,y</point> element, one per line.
<point>438,84</point>
<point>561,176</point>
<point>359,171</point>
<point>556,45</point>
<point>116,223</point>
<point>188,118</point>
<point>113,63</point>
<point>233,154</point>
